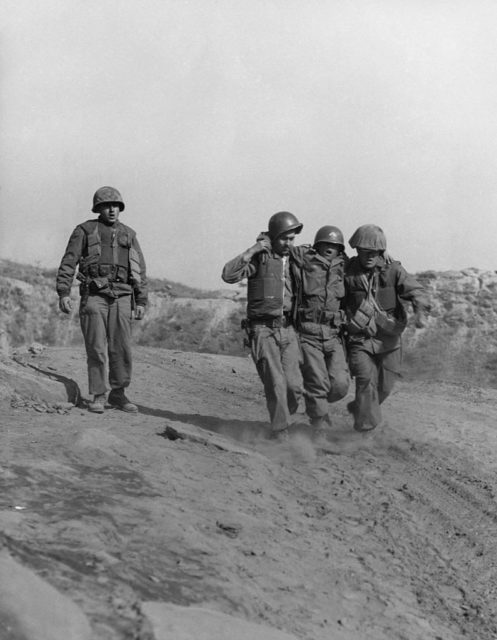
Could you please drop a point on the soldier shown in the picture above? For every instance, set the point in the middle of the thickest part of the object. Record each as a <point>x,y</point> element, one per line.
<point>375,291</point>
<point>319,272</point>
<point>113,279</point>
<point>273,340</point>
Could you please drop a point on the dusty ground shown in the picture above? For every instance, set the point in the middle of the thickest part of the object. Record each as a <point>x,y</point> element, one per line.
<point>390,535</point>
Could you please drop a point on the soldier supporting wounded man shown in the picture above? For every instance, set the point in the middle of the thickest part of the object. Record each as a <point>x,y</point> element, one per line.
<point>112,273</point>
<point>375,292</point>
<point>270,322</point>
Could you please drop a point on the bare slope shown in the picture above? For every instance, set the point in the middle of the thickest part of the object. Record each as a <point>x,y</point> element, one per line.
<point>459,341</point>
<point>390,537</point>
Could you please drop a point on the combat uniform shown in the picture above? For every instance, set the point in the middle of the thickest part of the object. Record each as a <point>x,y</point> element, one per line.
<point>320,290</point>
<point>374,351</point>
<point>112,272</point>
<point>273,340</point>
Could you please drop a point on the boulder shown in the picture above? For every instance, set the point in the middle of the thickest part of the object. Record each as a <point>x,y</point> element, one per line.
<point>22,381</point>
<point>32,609</point>
<point>174,622</point>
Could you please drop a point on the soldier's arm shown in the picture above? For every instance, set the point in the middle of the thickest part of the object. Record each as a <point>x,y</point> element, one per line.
<point>69,262</point>
<point>408,288</point>
<point>243,266</point>
<point>299,253</point>
<point>141,289</point>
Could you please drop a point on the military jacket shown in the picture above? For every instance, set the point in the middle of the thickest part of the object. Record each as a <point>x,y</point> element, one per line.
<point>109,261</point>
<point>319,286</point>
<point>391,285</point>
<point>270,287</point>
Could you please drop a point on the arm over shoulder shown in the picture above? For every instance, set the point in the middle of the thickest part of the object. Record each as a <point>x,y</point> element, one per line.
<point>240,267</point>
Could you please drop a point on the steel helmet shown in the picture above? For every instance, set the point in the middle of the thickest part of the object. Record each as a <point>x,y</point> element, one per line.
<point>107,194</point>
<point>331,235</point>
<point>369,236</point>
<point>282,222</point>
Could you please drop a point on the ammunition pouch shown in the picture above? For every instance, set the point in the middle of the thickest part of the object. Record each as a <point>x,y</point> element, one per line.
<point>109,272</point>
<point>363,320</point>
<point>390,325</point>
<point>104,271</point>
<point>370,320</point>
<point>99,285</point>
<point>120,274</point>
<point>93,271</point>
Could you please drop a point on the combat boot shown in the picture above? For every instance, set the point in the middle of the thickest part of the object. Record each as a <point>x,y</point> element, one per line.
<point>365,427</point>
<point>358,422</point>
<point>351,407</point>
<point>97,405</point>
<point>118,400</point>
<point>320,427</point>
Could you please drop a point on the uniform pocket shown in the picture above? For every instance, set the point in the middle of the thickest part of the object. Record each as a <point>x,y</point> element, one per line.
<point>123,240</point>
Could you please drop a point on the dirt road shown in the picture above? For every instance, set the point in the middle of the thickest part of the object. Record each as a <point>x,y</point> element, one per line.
<point>389,535</point>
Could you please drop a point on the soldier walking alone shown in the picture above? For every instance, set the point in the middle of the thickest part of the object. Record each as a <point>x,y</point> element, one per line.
<point>270,297</point>
<point>113,286</point>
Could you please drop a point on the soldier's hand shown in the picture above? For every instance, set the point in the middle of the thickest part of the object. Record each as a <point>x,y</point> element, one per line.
<point>139,312</point>
<point>65,304</point>
<point>387,257</point>
<point>264,242</point>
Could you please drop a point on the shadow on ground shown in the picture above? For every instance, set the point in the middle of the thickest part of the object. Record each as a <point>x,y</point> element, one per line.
<point>234,428</point>
<point>72,388</point>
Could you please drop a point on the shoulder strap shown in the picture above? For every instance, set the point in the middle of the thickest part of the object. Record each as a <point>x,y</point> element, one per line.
<point>368,285</point>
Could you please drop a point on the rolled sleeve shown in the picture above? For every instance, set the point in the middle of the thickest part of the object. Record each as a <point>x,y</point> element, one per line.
<point>237,269</point>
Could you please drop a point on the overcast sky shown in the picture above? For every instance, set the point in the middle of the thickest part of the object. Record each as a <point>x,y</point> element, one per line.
<point>211,115</point>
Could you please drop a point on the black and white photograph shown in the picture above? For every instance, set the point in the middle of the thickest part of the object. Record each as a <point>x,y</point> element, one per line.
<point>248,311</point>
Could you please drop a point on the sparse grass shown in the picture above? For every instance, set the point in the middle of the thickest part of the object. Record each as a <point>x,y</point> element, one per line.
<point>445,354</point>
<point>187,328</point>
<point>460,345</point>
<point>28,317</point>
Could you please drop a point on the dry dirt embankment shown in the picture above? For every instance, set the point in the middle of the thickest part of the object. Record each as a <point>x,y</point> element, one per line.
<point>388,536</point>
<point>458,344</point>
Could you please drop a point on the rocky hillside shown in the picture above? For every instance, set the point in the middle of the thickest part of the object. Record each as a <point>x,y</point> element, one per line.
<point>178,317</point>
<point>458,344</point>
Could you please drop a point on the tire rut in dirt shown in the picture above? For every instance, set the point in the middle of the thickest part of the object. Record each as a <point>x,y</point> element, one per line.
<point>451,508</point>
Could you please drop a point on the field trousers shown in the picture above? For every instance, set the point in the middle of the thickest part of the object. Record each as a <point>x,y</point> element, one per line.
<point>324,368</point>
<point>277,356</point>
<point>375,375</point>
<point>106,326</point>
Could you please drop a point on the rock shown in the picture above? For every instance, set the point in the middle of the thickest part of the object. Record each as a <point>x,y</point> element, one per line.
<point>36,348</point>
<point>33,610</point>
<point>4,344</point>
<point>173,622</point>
<point>175,430</point>
<point>28,384</point>
<point>65,406</point>
<point>230,529</point>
